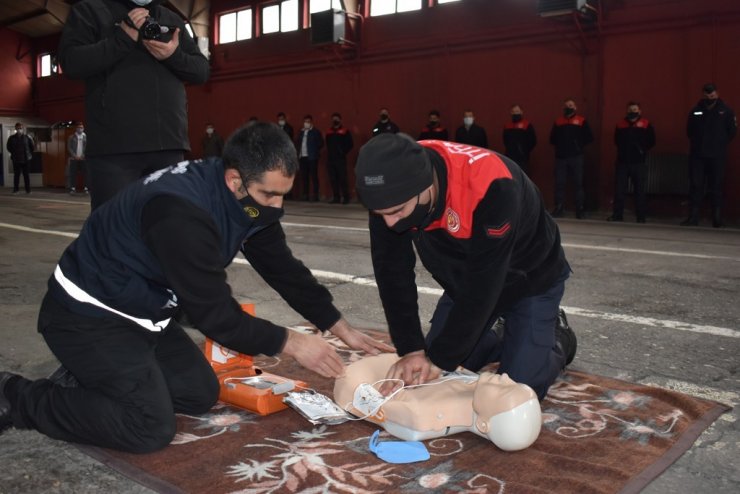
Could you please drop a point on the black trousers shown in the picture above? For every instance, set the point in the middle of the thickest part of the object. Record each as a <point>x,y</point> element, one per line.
<point>564,167</point>
<point>74,167</point>
<point>309,175</point>
<point>711,170</point>
<point>528,353</point>
<point>110,173</point>
<point>637,172</point>
<point>338,178</point>
<point>132,382</point>
<point>18,170</point>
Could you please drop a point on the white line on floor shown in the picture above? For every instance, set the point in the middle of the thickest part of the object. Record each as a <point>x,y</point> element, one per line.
<point>365,281</point>
<point>565,245</point>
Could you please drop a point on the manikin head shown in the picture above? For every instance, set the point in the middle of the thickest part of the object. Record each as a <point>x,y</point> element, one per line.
<point>508,413</point>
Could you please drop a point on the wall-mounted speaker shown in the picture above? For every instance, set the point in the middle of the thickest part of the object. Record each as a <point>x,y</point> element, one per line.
<point>328,27</point>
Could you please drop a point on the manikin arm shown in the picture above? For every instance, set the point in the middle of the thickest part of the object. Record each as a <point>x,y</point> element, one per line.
<point>493,406</point>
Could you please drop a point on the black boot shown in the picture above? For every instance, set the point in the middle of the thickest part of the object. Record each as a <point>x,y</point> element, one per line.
<point>693,219</point>
<point>717,218</point>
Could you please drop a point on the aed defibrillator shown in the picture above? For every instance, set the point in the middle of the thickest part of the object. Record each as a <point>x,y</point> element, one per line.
<point>243,384</point>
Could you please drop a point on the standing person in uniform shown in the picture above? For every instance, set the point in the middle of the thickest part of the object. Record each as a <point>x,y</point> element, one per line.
<point>282,121</point>
<point>212,143</point>
<point>338,144</point>
<point>135,101</point>
<point>710,128</point>
<point>480,228</point>
<point>519,138</point>
<point>433,129</point>
<point>634,137</point>
<point>569,135</point>
<point>384,125</point>
<point>470,132</point>
<point>76,145</point>
<point>164,243</point>
<point>309,143</point>
<point>20,146</point>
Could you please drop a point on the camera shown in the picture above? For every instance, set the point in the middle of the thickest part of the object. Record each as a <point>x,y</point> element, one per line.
<point>151,29</point>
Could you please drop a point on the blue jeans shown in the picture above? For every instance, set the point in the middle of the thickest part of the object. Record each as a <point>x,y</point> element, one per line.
<point>527,352</point>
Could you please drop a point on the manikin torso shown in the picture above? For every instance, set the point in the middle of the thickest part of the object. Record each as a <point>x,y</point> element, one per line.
<point>492,406</point>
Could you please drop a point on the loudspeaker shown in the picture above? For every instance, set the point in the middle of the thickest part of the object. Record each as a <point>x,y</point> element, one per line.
<point>327,27</point>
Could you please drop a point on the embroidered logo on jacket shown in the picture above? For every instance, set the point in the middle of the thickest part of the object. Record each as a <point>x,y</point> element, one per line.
<point>453,220</point>
<point>498,232</point>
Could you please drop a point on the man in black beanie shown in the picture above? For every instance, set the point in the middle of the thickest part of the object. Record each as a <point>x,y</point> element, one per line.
<point>481,229</point>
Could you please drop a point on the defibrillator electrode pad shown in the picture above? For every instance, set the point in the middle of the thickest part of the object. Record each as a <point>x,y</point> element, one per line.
<point>398,451</point>
<point>316,408</point>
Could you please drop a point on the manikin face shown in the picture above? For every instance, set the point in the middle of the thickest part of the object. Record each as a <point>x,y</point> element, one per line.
<point>634,109</point>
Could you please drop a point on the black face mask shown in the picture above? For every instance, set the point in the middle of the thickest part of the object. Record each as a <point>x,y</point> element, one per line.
<point>384,118</point>
<point>413,220</point>
<point>433,124</point>
<point>259,214</point>
<point>516,117</point>
<point>709,102</point>
<point>336,123</point>
<point>569,112</point>
<point>633,115</point>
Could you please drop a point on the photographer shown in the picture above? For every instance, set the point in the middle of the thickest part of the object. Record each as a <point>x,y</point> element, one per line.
<point>135,101</point>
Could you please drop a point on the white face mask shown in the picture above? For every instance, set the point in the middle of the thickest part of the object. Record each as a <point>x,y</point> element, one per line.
<point>141,3</point>
<point>20,131</point>
<point>468,121</point>
<point>209,131</point>
<point>281,122</point>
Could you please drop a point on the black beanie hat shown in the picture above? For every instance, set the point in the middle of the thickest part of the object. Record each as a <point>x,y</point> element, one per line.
<point>391,169</point>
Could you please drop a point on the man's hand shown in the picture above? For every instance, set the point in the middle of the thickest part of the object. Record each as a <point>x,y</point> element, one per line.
<point>412,368</point>
<point>358,340</point>
<point>160,50</point>
<point>137,17</point>
<point>314,353</point>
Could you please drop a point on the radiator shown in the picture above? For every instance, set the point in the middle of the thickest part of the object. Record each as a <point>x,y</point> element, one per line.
<point>667,174</point>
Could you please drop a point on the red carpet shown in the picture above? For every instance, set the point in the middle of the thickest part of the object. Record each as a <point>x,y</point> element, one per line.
<point>599,435</point>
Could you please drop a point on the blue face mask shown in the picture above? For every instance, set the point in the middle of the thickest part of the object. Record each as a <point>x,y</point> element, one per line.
<point>142,3</point>
<point>398,451</point>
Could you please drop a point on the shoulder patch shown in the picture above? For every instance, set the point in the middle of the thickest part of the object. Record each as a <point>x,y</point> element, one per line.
<point>498,231</point>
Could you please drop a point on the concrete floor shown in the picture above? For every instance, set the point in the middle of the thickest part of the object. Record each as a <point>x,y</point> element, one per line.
<point>653,303</point>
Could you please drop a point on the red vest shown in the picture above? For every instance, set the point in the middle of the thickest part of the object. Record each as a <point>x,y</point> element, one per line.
<point>470,172</point>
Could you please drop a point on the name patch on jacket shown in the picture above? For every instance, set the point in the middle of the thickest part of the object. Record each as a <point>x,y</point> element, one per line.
<point>498,231</point>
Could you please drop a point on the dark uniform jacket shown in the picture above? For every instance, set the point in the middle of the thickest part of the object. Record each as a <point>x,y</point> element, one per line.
<point>489,242</point>
<point>439,133</point>
<point>338,143</point>
<point>519,140</point>
<point>213,145</point>
<point>475,135</point>
<point>711,130</point>
<point>381,127</point>
<point>570,136</point>
<point>20,147</point>
<point>133,103</point>
<point>633,140</point>
<point>164,242</point>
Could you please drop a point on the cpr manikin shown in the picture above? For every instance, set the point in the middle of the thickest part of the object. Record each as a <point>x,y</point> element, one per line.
<point>490,405</point>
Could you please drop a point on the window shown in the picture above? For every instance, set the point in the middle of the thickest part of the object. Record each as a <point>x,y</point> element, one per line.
<point>322,5</point>
<point>383,7</point>
<point>280,17</point>
<point>48,65</point>
<point>235,26</point>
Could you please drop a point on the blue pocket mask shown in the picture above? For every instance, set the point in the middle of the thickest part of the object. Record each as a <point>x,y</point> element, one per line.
<point>398,451</point>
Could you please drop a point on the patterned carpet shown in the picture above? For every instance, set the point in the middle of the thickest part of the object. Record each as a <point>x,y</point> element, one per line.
<point>599,435</point>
